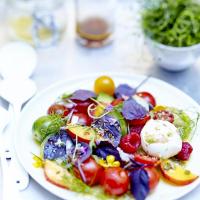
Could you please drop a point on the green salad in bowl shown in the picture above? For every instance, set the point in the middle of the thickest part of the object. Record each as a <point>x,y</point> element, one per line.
<point>173,32</point>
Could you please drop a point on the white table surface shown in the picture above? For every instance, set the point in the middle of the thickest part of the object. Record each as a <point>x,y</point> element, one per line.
<point>126,54</point>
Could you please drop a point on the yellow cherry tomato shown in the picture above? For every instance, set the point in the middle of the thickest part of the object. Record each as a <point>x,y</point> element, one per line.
<point>104,84</point>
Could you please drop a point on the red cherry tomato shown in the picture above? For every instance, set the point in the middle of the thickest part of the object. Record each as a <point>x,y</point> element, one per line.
<point>130,143</point>
<point>146,159</point>
<point>136,129</point>
<point>116,102</point>
<point>83,119</point>
<point>58,109</point>
<point>164,115</point>
<point>139,122</point>
<point>82,106</point>
<point>185,152</point>
<point>92,171</point>
<point>115,181</point>
<point>148,97</point>
<point>154,177</point>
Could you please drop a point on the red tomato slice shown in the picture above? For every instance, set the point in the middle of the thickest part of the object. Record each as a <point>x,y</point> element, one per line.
<point>154,177</point>
<point>146,159</point>
<point>82,106</point>
<point>148,97</point>
<point>139,122</point>
<point>83,119</point>
<point>58,109</point>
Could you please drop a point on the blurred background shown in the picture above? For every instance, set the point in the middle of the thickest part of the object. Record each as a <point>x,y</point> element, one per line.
<point>72,35</point>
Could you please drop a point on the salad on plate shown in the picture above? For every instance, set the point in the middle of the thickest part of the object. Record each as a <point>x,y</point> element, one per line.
<point>114,142</point>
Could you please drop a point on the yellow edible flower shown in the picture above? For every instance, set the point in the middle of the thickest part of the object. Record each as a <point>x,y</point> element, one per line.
<point>109,162</point>
<point>38,163</point>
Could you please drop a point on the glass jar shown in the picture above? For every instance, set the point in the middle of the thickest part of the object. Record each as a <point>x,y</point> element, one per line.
<point>94,22</point>
<point>39,22</point>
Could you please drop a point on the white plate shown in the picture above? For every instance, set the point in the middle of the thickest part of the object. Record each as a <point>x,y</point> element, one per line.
<point>164,93</point>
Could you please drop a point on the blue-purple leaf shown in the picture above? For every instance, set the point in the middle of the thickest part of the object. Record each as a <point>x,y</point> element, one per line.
<point>133,110</point>
<point>104,149</point>
<point>55,145</point>
<point>139,181</point>
<point>109,129</point>
<point>124,91</point>
<point>82,95</point>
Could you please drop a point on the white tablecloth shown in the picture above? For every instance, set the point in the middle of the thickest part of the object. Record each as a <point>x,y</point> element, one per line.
<point>126,54</point>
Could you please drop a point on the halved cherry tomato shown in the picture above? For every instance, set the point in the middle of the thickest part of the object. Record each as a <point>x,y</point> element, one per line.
<point>82,106</point>
<point>146,159</point>
<point>148,97</point>
<point>104,84</point>
<point>115,181</point>
<point>139,122</point>
<point>58,109</point>
<point>91,170</point>
<point>83,119</point>
<point>130,143</point>
<point>117,101</point>
<point>154,177</point>
<point>164,115</point>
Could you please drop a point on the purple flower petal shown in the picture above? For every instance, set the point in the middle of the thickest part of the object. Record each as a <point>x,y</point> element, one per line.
<point>82,95</point>
<point>104,148</point>
<point>132,110</point>
<point>124,91</point>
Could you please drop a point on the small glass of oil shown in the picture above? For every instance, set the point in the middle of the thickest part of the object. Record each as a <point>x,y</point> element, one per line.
<point>94,22</point>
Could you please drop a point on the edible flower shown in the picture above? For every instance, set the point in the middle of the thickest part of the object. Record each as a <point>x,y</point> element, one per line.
<point>109,162</point>
<point>38,162</point>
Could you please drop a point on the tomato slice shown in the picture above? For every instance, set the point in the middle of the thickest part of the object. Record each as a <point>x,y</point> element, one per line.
<point>146,159</point>
<point>154,177</point>
<point>58,109</point>
<point>83,119</point>
<point>139,122</point>
<point>82,106</point>
<point>148,97</point>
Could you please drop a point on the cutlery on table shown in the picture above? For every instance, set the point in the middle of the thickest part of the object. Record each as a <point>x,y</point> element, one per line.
<point>18,61</point>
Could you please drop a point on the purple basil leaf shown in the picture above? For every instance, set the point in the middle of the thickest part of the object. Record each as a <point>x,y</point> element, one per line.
<point>82,95</point>
<point>104,149</point>
<point>82,153</point>
<point>133,110</point>
<point>133,165</point>
<point>139,181</point>
<point>109,128</point>
<point>56,145</point>
<point>124,91</point>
